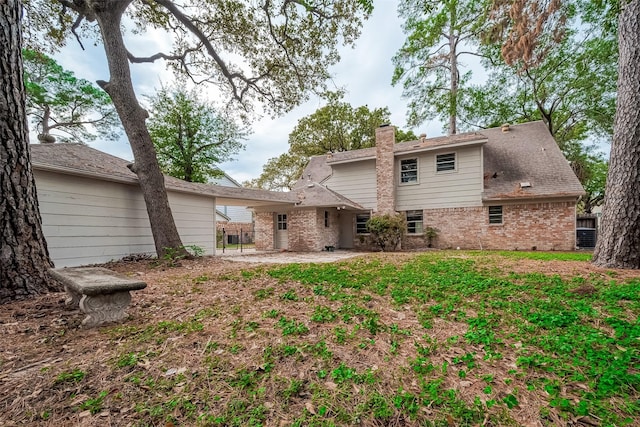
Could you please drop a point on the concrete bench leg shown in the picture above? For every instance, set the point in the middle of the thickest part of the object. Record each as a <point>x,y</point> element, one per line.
<point>73,298</point>
<point>104,308</point>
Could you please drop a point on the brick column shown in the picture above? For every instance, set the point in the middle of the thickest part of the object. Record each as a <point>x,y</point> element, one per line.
<point>385,169</point>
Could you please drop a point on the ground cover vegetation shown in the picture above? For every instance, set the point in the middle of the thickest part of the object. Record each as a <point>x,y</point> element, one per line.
<point>438,338</point>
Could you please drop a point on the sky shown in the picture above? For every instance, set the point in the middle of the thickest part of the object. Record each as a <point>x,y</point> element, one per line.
<point>364,72</point>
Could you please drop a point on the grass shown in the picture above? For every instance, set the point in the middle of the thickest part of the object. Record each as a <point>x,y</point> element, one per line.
<point>438,339</point>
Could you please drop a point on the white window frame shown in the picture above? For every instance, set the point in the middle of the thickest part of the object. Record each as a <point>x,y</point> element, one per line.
<point>362,225</point>
<point>281,221</point>
<point>418,224</point>
<point>442,160</point>
<point>409,173</point>
<point>496,215</point>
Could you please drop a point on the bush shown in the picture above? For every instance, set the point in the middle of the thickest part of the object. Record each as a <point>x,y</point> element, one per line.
<point>386,230</point>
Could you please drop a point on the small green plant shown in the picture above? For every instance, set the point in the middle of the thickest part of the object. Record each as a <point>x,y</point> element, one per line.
<point>291,327</point>
<point>430,234</point>
<point>94,405</point>
<point>74,376</point>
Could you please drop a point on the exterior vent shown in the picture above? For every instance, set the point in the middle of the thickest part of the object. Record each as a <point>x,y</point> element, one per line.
<point>525,184</point>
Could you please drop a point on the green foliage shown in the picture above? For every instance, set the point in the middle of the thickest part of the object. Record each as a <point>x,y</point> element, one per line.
<point>172,256</point>
<point>74,376</point>
<point>386,231</point>
<point>191,137</point>
<point>333,128</point>
<point>269,55</point>
<point>64,107</point>
<point>573,89</point>
<point>94,405</point>
<point>438,34</point>
<point>593,177</point>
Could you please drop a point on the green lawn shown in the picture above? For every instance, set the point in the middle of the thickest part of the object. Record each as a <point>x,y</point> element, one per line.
<point>442,339</point>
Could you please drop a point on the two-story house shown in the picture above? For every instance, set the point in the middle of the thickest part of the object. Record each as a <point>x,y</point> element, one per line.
<point>501,188</point>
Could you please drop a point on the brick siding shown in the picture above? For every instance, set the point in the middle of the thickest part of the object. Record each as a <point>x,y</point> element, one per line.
<point>264,229</point>
<point>307,232</point>
<point>385,170</point>
<point>526,226</point>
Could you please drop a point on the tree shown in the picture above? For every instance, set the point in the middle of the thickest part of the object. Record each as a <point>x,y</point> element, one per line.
<point>271,53</point>
<point>57,101</point>
<point>572,89</point>
<point>619,238</point>
<point>24,258</point>
<point>428,64</point>
<point>190,136</point>
<point>279,173</point>
<point>593,178</point>
<point>333,128</point>
<point>618,244</point>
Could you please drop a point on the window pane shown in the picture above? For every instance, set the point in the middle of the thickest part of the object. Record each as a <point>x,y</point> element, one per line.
<point>282,221</point>
<point>495,214</point>
<point>408,170</point>
<point>446,162</point>
<point>361,223</point>
<point>414,222</point>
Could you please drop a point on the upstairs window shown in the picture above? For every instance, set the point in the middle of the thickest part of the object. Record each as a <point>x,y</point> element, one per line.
<point>445,162</point>
<point>282,221</point>
<point>361,223</point>
<point>414,222</point>
<point>408,171</point>
<point>495,214</point>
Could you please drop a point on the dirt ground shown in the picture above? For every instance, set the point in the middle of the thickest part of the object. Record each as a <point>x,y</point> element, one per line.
<point>42,337</point>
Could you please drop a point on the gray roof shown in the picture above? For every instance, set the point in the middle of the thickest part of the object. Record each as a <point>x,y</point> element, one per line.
<point>80,159</point>
<point>316,170</point>
<point>527,153</point>
<point>313,194</point>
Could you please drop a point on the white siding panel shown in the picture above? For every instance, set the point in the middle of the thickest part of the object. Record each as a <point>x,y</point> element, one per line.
<point>87,221</point>
<point>356,181</point>
<point>194,217</point>
<point>460,188</point>
<point>237,213</point>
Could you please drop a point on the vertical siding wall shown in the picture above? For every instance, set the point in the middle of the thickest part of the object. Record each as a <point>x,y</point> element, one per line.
<point>87,221</point>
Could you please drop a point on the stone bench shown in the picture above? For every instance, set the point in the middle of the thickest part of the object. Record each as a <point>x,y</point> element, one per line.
<point>103,295</point>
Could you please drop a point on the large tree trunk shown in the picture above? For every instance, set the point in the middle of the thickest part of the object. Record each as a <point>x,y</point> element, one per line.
<point>120,88</point>
<point>24,258</point>
<point>619,241</point>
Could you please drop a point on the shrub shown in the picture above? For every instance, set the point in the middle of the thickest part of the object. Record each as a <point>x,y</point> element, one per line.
<point>386,230</point>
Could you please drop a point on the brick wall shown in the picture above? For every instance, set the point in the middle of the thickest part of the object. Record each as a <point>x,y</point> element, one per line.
<point>307,232</point>
<point>264,229</point>
<point>543,226</point>
<point>385,170</point>
<point>328,236</point>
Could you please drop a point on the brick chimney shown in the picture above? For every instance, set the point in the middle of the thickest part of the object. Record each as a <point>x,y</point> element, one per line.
<point>385,169</point>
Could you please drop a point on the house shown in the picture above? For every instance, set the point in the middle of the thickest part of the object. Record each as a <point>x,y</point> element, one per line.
<point>93,210</point>
<point>236,222</point>
<point>502,188</point>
